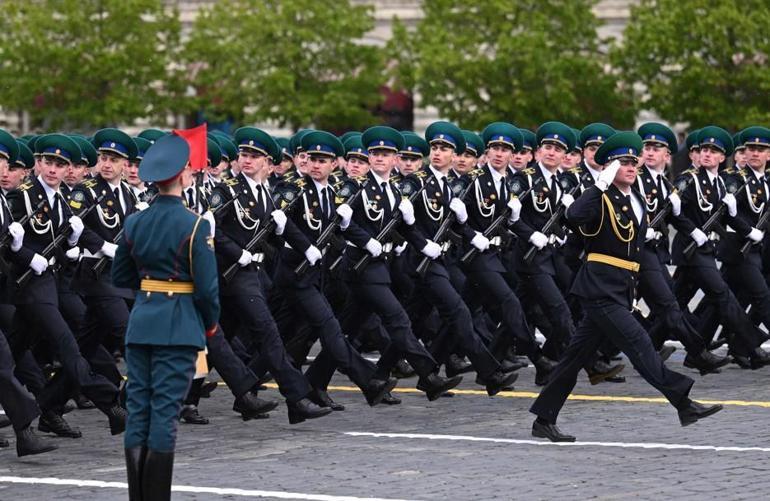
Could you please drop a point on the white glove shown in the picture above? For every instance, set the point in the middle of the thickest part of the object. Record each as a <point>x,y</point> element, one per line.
<point>515,205</point>
<point>313,255</point>
<point>567,200</point>
<point>731,203</point>
<point>649,235</point>
<point>280,221</point>
<point>38,264</point>
<point>73,254</point>
<point>559,241</point>
<point>209,216</point>
<point>400,249</point>
<point>109,249</point>
<point>699,237</point>
<point>373,247</point>
<point>245,258</point>
<point>480,242</point>
<point>676,204</point>
<point>431,249</point>
<point>17,233</point>
<point>539,240</point>
<point>140,206</point>
<point>458,207</point>
<point>407,211</point>
<point>607,176</point>
<point>77,229</point>
<point>345,212</point>
<point>756,235</point>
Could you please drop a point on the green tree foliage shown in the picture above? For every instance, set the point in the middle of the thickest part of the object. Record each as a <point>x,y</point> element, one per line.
<point>700,61</point>
<point>87,63</point>
<point>298,62</point>
<point>526,61</point>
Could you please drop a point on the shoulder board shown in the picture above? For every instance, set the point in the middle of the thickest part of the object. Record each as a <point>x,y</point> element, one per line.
<point>231,181</point>
<point>26,185</point>
<point>528,171</point>
<point>576,170</point>
<point>690,171</point>
<point>639,171</point>
<point>90,183</point>
<point>475,173</point>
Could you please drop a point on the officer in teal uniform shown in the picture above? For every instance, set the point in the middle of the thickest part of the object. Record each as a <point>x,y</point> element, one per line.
<point>167,255</point>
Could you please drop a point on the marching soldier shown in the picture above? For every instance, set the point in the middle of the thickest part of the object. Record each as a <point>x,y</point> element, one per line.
<point>304,292</point>
<point>243,207</point>
<point>611,216</point>
<point>434,288</point>
<point>380,205</point>
<point>703,197</point>
<point>36,298</point>
<point>743,271</point>
<point>107,306</point>
<point>655,283</point>
<point>356,157</point>
<point>491,198</point>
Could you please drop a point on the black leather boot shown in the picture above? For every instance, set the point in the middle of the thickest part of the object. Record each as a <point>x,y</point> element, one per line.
<point>135,457</point>
<point>156,476</point>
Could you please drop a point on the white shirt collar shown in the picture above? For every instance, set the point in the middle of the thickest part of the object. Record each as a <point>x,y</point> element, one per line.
<point>320,187</point>
<point>50,192</point>
<point>496,175</point>
<point>759,175</point>
<point>252,184</point>
<point>379,180</point>
<point>594,173</point>
<point>439,175</point>
<point>546,173</point>
<point>711,176</point>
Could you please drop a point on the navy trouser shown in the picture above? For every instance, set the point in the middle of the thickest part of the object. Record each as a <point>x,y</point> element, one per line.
<point>17,402</point>
<point>609,319</point>
<point>158,380</point>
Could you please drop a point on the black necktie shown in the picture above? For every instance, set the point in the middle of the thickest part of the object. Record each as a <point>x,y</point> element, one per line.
<point>325,206</point>
<point>386,201</point>
<point>446,190</point>
<point>716,188</point>
<point>661,193</point>
<point>554,192</point>
<point>260,198</point>
<point>55,211</point>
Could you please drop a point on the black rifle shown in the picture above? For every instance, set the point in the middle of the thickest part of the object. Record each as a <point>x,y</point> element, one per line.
<point>6,239</point>
<point>325,237</point>
<point>495,224</point>
<point>549,225</point>
<point>387,230</point>
<point>711,223</point>
<point>424,265</point>
<point>65,232</point>
<point>663,212</point>
<point>256,241</point>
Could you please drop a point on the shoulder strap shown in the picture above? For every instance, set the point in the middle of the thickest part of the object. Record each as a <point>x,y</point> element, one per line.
<point>190,246</point>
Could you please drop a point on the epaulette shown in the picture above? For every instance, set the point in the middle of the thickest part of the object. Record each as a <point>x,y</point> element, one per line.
<point>528,171</point>
<point>26,185</point>
<point>475,173</point>
<point>576,170</point>
<point>90,183</point>
<point>639,171</point>
<point>232,181</point>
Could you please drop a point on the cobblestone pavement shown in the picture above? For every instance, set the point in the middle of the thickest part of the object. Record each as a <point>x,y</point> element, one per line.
<point>432,450</point>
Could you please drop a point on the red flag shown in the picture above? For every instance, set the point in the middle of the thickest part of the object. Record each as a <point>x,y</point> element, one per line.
<point>196,138</point>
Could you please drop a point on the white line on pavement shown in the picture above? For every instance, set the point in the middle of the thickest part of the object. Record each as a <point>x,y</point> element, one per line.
<point>629,445</point>
<point>189,488</point>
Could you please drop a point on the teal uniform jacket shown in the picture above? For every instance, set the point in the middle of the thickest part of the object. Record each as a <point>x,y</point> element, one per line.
<point>157,245</point>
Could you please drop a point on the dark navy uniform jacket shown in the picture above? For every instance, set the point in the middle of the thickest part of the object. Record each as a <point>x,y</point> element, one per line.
<point>608,224</point>
<point>39,232</point>
<point>102,225</point>
<point>699,201</point>
<point>484,206</point>
<point>371,212</point>
<point>430,210</point>
<point>752,203</point>
<point>237,224</point>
